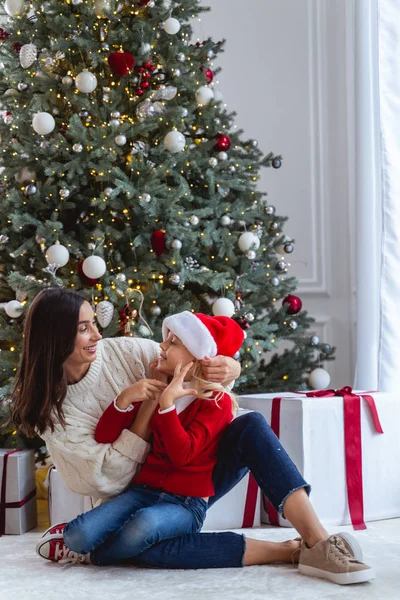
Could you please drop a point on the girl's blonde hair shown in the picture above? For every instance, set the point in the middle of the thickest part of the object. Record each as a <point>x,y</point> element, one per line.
<point>206,388</point>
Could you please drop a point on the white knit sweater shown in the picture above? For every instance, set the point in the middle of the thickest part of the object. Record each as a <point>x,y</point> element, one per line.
<point>89,468</point>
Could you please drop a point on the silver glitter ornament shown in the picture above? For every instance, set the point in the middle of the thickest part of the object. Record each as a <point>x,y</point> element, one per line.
<point>274,226</point>
<point>254,143</point>
<point>293,325</point>
<point>175,279</point>
<point>121,277</point>
<point>77,148</point>
<point>155,310</point>
<point>314,341</point>
<point>213,161</point>
<point>270,210</point>
<point>181,57</point>
<point>67,80</point>
<point>274,281</point>
<point>251,255</point>
<point>194,220</point>
<point>115,114</point>
<point>30,190</point>
<point>184,112</point>
<point>84,114</point>
<point>146,197</point>
<point>64,193</point>
<point>280,265</point>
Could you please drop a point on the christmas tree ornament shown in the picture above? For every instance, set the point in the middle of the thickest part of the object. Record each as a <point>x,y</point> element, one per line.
<point>84,114</point>
<point>251,255</point>
<point>176,72</point>
<point>176,244</point>
<point>232,169</point>
<point>174,141</point>
<point>64,193</point>
<point>77,148</point>
<point>249,317</point>
<point>14,309</point>
<point>146,197</point>
<point>121,277</point>
<point>248,241</point>
<point>225,220</point>
<point>155,310</point>
<point>114,123</point>
<point>213,161</point>
<point>277,163</point>
<point>274,226</point>
<point>14,8</point>
<point>269,210</point>
<point>158,242</point>
<point>223,156</point>
<point>319,379</point>
<point>121,63</point>
<point>241,321</point>
<point>254,143</point>
<point>4,239</point>
<point>327,348</point>
<point>174,279</point>
<point>115,114</point>
<point>274,281</point>
<point>145,48</point>
<point>57,254</point>
<point>180,57</point>
<point>25,174</point>
<point>194,220</point>
<point>8,119</point>
<point>22,86</point>
<point>293,304</point>
<point>184,113</point>
<point>94,267</point>
<point>43,123</point>
<point>30,190</point>
<point>223,143</point>
<point>120,140</point>
<point>204,95</point>
<point>293,325</point>
<point>314,341</point>
<point>223,307</point>
<point>280,266</point>
<point>67,80</point>
<point>223,191</point>
<point>76,2</point>
<point>171,26</point>
<point>144,331</point>
<point>86,82</point>
<point>104,313</point>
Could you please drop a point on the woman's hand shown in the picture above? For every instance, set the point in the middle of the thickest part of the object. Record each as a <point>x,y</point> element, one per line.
<point>221,369</point>
<point>145,389</point>
<point>154,373</point>
<point>175,389</point>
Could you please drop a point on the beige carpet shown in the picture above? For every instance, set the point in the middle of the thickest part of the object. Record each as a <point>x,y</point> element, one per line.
<point>24,576</point>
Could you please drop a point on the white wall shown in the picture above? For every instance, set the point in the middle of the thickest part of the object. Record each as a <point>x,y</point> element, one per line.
<point>287,73</point>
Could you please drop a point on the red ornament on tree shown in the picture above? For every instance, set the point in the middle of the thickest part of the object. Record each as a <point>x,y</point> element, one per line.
<point>209,74</point>
<point>3,35</point>
<point>158,242</point>
<point>121,63</point>
<point>242,322</point>
<point>223,143</point>
<point>293,304</point>
<point>87,280</point>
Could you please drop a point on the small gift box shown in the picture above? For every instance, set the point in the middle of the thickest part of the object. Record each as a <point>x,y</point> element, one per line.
<point>345,444</point>
<point>18,492</point>
<point>64,505</point>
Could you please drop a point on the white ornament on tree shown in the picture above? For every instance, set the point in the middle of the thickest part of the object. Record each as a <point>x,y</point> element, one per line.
<point>174,141</point>
<point>204,95</point>
<point>176,244</point>
<point>104,313</point>
<point>14,309</point>
<point>94,267</point>
<point>172,26</point>
<point>225,220</point>
<point>120,140</point>
<point>319,379</point>
<point>43,123</point>
<point>57,254</point>
<point>14,7</point>
<point>86,82</point>
<point>27,55</point>
<point>223,307</point>
<point>248,241</point>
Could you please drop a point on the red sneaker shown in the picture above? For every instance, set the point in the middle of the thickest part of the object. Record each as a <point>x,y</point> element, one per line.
<point>55,530</point>
<point>53,548</point>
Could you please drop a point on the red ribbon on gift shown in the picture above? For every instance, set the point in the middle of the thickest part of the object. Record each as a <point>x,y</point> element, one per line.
<point>251,502</point>
<point>352,445</point>
<point>3,504</point>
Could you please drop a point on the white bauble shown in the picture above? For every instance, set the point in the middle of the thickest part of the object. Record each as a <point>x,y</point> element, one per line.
<point>94,267</point>
<point>223,307</point>
<point>225,220</point>
<point>25,174</point>
<point>174,141</point>
<point>145,48</point>
<point>100,6</point>
<point>176,244</point>
<point>14,309</point>
<point>204,95</point>
<point>223,156</point>
<point>248,241</point>
<point>57,254</point>
<point>120,140</point>
<point>172,26</point>
<point>27,55</point>
<point>43,123</point>
<point>104,313</point>
<point>319,379</point>
<point>144,331</point>
<point>14,7</point>
<point>86,82</point>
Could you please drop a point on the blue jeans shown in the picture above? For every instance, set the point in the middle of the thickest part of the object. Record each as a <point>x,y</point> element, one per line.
<point>142,515</point>
<point>247,444</point>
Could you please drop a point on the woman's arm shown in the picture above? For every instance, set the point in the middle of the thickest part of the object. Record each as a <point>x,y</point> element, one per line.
<point>221,369</point>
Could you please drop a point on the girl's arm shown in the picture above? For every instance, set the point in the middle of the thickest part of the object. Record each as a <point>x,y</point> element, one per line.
<point>113,420</point>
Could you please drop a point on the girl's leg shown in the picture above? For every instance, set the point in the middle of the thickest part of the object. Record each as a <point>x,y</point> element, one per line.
<point>172,516</point>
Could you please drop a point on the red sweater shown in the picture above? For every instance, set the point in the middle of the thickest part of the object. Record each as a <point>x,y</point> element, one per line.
<point>184,447</point>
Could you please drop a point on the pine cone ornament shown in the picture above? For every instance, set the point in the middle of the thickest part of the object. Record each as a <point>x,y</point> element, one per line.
<point>104,312</point>
<point>27,55</point>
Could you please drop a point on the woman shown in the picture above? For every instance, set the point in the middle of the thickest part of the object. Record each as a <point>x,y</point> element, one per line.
<point>68,377</point>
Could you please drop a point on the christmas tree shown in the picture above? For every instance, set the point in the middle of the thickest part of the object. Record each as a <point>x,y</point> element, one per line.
<point>124,179</point>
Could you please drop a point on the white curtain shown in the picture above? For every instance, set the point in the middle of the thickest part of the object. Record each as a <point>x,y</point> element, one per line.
<point>377,95</point>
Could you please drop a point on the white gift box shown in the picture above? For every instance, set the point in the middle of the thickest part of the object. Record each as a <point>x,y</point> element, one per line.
<point>312,432</point>
<point>64,505</point>
<point>18,492</point>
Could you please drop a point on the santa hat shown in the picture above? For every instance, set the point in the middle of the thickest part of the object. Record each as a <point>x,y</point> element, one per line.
<point>203,335</point>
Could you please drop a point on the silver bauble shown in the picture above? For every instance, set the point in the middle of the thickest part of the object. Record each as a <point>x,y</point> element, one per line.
<point>181,57</point>
<point>280,265</point>
<point>251,255</point>
<point>64,193</point>
<point>249,317</point>
<point>67,80</point>
<point>293,325</point>
<point>314,341</point>
<point>176,244</point>
<point>213,161</point>
<point>146,197</point>
<point>115,114</point>
<point>22,86</point>
<point>30,189</point>
<point>288,248</point>
<point>222,156</point>
<point>270,210</point>
<point>77,148</point>
<point>274,281</point>
<point>194,220</point>
<point>175,279</point>
<point>114,123</point>
<point>121,277</point>
<point>155,310</point>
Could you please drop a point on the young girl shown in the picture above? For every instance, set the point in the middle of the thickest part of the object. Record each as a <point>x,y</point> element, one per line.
<point>170,494</point>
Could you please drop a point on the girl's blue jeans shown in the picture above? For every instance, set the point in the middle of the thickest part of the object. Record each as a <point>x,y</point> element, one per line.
<point>247,444</point>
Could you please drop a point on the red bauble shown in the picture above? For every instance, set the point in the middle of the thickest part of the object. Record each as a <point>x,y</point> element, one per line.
<point>223,143</point>
<point>144,85</point>
<point>147,65</point>
<point>87,280</point>
<point>243,323</point>
<point>121,63</point>
<point>209,74</point>
<point>139,92</point>
<point>158,242</point>
<point>293,304</point>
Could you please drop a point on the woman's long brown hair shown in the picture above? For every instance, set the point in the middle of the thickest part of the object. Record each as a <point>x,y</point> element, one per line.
<point>40,384</point>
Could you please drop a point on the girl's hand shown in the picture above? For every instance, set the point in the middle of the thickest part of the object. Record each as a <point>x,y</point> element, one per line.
<point>175,389</point>
<point>145,389</point>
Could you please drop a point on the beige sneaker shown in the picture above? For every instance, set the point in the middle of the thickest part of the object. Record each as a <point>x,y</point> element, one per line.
<point>332,559</point>
<point>349,541</point>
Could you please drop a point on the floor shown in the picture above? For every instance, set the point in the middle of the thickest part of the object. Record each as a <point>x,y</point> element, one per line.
<point>24,576</point>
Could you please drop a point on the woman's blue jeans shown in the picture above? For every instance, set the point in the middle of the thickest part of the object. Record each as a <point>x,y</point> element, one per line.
<point>247,444</point>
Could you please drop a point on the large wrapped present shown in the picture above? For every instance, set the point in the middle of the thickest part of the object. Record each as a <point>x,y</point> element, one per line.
<point>18,492</point>
<point>345,444</point>
<point>64,505</point>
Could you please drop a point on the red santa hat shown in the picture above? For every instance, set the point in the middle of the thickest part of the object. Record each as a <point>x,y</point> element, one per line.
<point>203,335</point>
